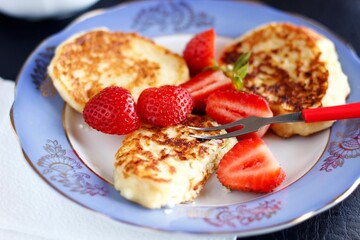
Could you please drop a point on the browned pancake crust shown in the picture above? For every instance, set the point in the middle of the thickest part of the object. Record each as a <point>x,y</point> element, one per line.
<point>149,163</point>
<point>287,71</point>
<point>86,63</point>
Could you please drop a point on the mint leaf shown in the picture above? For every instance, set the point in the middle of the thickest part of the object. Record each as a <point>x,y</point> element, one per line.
<point>242,60</point>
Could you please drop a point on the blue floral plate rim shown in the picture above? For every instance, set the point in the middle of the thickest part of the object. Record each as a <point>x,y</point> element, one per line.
<point>245,219</point>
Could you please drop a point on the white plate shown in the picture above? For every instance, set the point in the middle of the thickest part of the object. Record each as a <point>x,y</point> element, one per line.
<point>78,162</point>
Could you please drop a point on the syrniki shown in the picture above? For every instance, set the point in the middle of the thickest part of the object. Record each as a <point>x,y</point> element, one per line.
<point>158,167</point>
<point>88,62</point>
<point>294,68</point>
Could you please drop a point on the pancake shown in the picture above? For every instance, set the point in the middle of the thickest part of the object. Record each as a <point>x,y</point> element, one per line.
<point>294,68</point>
<point>88,62</point>
<point>163,166</point>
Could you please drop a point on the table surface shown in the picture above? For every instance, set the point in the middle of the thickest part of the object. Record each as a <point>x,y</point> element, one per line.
<point>18,38</point>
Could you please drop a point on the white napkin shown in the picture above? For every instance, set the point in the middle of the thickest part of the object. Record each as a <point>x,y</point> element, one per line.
<point>30,209</point>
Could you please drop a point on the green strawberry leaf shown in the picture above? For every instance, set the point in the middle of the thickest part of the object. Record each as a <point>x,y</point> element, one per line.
<point>239,70</point>
<point>242,71</point>
<point>237,73</point>
<point>242,60</point>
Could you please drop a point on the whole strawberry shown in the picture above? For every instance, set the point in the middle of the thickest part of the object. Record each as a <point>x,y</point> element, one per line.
<point>199,52</point>
<point>112,111</point>
<point>165,106</point>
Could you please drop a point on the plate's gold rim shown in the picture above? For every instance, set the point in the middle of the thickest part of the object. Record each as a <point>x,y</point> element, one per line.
<point>64,113</point>
<point>246,233</point>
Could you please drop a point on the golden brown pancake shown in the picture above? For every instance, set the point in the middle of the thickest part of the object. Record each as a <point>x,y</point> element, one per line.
<point>163,166</point>
<point>294,68</point>
<point>88,62</point>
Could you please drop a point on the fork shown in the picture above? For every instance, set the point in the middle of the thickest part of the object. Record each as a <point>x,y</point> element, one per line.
<point>253,123</point>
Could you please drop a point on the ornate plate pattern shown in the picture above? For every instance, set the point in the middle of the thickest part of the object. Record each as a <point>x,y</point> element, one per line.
<point>37,116</point>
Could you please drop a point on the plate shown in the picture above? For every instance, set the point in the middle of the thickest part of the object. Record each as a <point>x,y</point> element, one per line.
<point>77,161</point>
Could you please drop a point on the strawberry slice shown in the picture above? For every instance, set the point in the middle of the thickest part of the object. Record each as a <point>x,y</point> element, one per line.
<point>250,166</point>
<point>230,105</point>
<point>205,83</point>
<point>216,78</point>
<point>199,52</point>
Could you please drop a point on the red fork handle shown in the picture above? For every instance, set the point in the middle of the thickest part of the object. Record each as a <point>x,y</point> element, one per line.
<point>351,110</point>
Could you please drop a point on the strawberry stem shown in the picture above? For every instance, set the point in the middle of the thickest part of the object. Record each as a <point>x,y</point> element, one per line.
<point>215,66</point>
<point>236,73</point>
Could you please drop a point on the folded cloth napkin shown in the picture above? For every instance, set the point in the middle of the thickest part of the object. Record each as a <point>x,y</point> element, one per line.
<point>30,209</point>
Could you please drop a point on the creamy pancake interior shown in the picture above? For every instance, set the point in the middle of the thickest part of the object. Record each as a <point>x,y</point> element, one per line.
<point>158,167</point>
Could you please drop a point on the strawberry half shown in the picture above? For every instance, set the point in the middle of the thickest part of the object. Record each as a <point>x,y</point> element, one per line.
<point>205,83</point>
<point>200,51</point>
<point>165,106</point>
<point>250,166</point>
<point>112,111</point>
<point>230,105</point>
<point>214,78</point>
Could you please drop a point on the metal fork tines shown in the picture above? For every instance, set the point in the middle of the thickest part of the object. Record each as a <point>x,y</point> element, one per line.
<point>249,125</point>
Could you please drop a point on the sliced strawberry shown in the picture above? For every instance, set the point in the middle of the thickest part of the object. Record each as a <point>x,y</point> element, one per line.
<point>205,83</point>
<point>165,106</point>
<point>200,51</point>
<point>112,111</point>
<point>250,166</point>
<point>230,105</point>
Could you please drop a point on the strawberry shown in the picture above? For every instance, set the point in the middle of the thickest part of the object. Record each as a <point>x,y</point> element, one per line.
<point>200,51</point>
<point>205,83</point>
<point>230,105</point>
<point>250,166</point>
<point>165,106</point>
<point>216,78</point>
<point>112,111</point>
